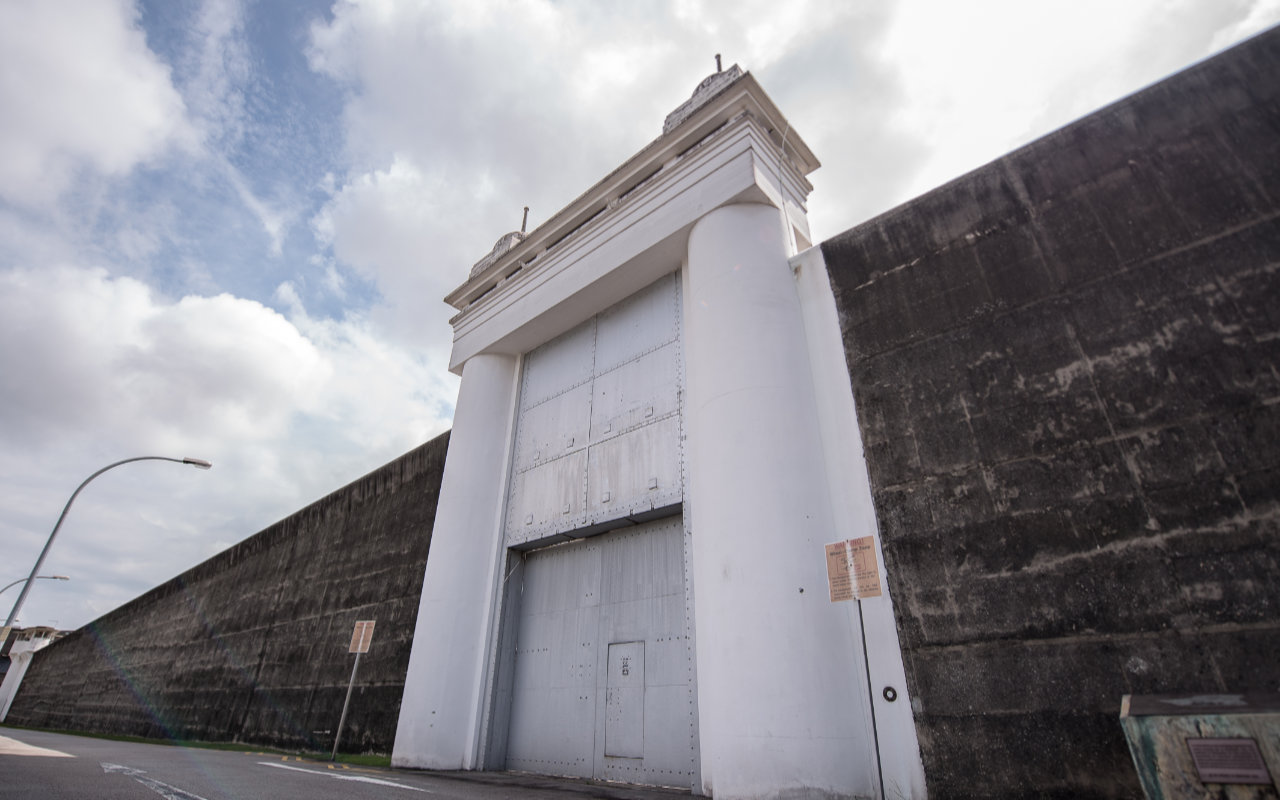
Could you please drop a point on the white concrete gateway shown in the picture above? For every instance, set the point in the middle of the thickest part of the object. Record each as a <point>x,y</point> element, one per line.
<point>654,440</point>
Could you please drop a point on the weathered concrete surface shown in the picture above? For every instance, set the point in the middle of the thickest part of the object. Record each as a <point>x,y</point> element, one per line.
<point>251,645</point>
<point>1065,367</point>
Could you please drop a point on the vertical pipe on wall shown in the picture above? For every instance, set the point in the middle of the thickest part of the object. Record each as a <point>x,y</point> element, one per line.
<point>782,697</point>
<point>440,713</point>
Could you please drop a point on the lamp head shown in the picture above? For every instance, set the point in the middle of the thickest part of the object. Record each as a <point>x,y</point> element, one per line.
<point>198,463</point>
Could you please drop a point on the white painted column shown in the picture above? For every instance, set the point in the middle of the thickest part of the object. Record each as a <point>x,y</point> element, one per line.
<point>782,695</point>
<point>440,713</point>
<point>900,766</point>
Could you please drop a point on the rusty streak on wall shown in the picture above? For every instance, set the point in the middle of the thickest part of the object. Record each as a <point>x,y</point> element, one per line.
<point>251,645</point>
<point>1067,372</point>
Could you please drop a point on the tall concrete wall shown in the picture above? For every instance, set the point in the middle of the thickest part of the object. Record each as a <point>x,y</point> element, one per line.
<point>1065,366</point>
<point>251,646</point>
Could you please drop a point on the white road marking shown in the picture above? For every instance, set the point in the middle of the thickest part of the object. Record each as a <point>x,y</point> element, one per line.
<point>379,781</point>
<point>358,778</point>
<point>163,789</point>
<point>13,747</point>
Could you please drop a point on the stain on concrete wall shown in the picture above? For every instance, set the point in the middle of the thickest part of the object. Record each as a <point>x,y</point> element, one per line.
<point>1067,372</point>
<point>251,646</point>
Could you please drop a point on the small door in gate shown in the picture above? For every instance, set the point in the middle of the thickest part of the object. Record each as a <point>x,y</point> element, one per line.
<point>603,682</point>
<point>624,701</point>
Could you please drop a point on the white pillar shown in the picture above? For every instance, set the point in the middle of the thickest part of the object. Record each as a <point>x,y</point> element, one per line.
<point>782,698</point>
<point>440,714</point>
<point>849,482</point>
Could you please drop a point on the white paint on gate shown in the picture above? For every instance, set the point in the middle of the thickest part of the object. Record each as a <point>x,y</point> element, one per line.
<point>598,429</point>
<point>604,682</point>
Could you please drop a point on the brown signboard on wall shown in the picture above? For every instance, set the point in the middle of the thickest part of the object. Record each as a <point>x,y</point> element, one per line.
<point>1235,760</point>
<point>362,636</point>
<point>852,569</point>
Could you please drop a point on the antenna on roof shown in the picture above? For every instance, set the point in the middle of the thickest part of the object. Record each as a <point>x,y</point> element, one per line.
<point>718,68</point>
<point>524,222</point>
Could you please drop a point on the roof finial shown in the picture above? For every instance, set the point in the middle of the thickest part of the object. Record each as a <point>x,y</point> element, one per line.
<point>718,68</point>
<point>524,222</point>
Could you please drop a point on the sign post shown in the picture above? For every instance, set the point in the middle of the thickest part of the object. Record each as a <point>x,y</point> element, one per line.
<point>360,639</point>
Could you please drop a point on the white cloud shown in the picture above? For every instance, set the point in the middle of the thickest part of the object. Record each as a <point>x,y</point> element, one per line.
<point>85,353</point>
<point>88,355</point>
<point>221,71</point>
<point>100,368</point>
<point>1261,14</point>
<point>274,222</point>
<point>220,68</point>
<point>375,221</point>
<point>81,90</point>
<point>972,97</point>
<point>401,228</point>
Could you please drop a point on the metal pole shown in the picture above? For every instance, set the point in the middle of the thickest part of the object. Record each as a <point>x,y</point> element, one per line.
<point>46,577</point>
<point>871,691</point>
<point>22,596</point>
<point>345,704</point>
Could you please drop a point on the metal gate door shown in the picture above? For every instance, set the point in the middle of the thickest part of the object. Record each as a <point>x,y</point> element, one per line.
<point>604,672</point>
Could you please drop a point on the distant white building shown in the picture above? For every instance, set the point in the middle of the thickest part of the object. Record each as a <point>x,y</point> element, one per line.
<point>653,445</point>
<point>20,645</point>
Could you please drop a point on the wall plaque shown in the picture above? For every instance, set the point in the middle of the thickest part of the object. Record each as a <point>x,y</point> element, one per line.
<point>1228,761</point>
<point>852,569</point>
<point>362,636</point>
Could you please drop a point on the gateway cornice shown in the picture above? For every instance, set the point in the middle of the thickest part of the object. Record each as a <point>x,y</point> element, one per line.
<point>635,243</point>
<point>744,98</point>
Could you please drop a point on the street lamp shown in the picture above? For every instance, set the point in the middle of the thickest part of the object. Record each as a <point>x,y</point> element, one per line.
<point>198,463</point>
<point>47,577</point>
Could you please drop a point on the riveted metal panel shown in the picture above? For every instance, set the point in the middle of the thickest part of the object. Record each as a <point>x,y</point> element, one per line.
<point>554,692</point>
<point>645,321</point>
<point>635,472</point>
<point>610,387</point>
<point>636,393</point>
<point>562,363</point>
<point>645,563</point>
<point>667,663</point>
<point>632,585</point>
<point>547,498</point>
<point>553,428</point>
<point>562,579</point>
<point>598,445</point>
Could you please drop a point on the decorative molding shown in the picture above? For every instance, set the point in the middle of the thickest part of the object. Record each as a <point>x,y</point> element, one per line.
<point>499,250</point>
<point>718,106</point>
<point>712,85</point>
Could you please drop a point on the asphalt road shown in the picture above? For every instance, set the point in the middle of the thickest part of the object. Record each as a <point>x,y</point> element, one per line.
<point>51,766</point>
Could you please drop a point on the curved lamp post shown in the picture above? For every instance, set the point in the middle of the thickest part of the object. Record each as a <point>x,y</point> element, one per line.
<point>46,577</point>
<point>199,463</point>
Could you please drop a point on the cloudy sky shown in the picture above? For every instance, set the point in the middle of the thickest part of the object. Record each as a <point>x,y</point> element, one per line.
<point>226,226</point>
